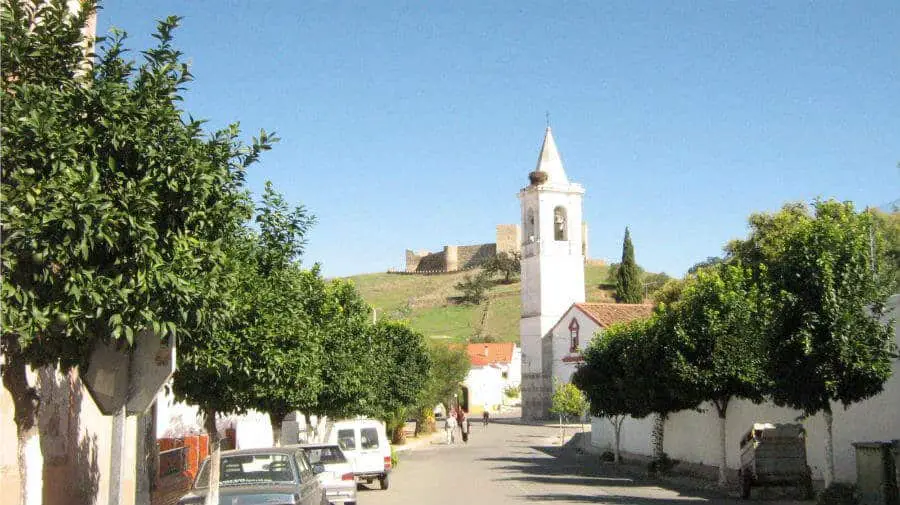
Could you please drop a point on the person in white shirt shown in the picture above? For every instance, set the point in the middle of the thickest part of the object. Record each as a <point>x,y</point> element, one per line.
<point>450,428</point>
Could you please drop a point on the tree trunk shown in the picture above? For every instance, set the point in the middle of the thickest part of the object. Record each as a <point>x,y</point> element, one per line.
<point>215,457</point>
<point>659,433</point>
<point>25,404</point>
<point>617,428</point>
<point>829,446</point>
<point>276,419</point>
<point>722,409</point>
<point>309,427</point>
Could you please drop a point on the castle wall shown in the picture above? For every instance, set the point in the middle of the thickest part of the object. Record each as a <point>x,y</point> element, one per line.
<point>451,258</point>
<point>470,256</point>
<point>509,238</point>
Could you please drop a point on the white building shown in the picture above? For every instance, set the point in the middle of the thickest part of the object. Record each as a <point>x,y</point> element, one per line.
<point>552,266</point>
<point>495,367</point>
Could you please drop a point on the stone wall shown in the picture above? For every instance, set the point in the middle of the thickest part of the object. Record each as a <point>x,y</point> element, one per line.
<point>470,256</point>
<point>423,261</point>
<point>509,238</point>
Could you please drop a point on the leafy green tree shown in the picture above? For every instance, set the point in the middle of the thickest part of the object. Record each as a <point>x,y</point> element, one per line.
<point>606,377</point>
<point>449,367</point>
<point>826,342</point>
<point>474,289</point>
<point>114,207</point>
<point>505,264</point>
<point>628,276</point>
<point>720,316</point>
<point>888,226</point>
<point>401,366</point>
<point>567,400</point>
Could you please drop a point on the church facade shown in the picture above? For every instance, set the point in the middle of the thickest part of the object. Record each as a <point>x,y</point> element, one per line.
<point>556,324</point>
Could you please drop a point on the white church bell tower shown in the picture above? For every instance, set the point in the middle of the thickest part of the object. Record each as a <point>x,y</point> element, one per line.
<point>552,267</point>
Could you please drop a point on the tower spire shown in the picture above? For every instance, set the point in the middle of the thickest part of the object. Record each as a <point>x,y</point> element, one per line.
<point>549,160</point>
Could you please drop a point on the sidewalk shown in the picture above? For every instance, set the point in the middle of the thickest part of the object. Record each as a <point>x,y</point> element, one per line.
<point>413,443</point>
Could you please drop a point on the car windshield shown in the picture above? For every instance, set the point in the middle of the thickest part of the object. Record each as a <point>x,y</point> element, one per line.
<point>325,455</point>
<point>250,469</point>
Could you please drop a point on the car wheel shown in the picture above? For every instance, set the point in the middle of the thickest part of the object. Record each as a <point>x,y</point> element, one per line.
<point>385,481</point>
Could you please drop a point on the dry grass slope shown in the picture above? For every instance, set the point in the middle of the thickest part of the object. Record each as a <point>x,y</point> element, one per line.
<point>426,301</point>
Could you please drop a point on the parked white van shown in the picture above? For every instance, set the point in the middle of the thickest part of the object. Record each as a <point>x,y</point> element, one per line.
<point>366,445</point>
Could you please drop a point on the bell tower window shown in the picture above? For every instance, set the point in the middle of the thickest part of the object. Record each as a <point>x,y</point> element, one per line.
<point>530,235</point>
<point>560,228</point>
<point>573,335</point>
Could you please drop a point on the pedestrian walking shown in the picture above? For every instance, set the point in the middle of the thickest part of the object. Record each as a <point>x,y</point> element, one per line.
<point>460,417</point>
<point>464,427</point>
<point>450,428</point>
<point>484,418</point>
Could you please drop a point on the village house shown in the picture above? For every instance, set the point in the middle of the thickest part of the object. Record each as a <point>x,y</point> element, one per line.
<point>495,368</point>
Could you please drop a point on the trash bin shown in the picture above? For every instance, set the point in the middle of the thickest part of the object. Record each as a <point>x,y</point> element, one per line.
<point>876,473</point>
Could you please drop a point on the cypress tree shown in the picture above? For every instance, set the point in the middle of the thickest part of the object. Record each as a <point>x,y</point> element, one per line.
<point>628,278</point>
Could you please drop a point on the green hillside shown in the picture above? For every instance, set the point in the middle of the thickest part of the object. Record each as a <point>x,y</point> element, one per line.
<point>427,302</point>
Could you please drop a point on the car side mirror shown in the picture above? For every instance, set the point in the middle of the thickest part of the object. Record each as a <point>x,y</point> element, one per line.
<point>318,468</point>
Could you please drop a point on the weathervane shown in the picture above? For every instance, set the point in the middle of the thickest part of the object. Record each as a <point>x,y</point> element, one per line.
<point>547,116</point>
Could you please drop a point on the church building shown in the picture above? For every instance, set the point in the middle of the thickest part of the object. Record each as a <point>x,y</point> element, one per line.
<point>553,295</point>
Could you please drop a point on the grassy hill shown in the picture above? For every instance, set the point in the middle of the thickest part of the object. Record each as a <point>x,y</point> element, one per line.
<point>427,301</point>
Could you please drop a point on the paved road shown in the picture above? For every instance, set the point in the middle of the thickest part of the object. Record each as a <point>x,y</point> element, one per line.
<point>515,464</point>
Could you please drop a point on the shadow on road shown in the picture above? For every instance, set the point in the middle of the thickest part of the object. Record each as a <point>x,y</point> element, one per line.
<point>558,468</point>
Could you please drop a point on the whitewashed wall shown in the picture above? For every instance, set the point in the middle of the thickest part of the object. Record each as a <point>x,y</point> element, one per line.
<point>562,370</point>
<point>485,388</point>
<point>693,436</point>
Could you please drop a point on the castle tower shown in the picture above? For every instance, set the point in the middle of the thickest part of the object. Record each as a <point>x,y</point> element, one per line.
<point>552,266</point>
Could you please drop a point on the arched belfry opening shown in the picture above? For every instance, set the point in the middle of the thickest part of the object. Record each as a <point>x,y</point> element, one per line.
<point>560,225</point>
<point>530,228</point>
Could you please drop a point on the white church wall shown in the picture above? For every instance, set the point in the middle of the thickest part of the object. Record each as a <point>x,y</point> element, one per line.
<point>587,328</point>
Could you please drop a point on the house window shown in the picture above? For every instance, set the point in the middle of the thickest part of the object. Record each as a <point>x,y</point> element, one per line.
<point>573,335</point>
<point>560,231</point>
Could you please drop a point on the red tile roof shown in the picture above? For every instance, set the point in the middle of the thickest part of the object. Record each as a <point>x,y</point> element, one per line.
<point>487,354</point>
<point>606,314</point>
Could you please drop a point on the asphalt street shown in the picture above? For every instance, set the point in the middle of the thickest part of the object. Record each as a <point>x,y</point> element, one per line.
<point>511,463</point>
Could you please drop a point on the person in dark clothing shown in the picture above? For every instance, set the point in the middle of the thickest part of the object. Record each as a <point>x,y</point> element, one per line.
<point>484,418</point>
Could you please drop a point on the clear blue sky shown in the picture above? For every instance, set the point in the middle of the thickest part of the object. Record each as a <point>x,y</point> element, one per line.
<point>407,125</point>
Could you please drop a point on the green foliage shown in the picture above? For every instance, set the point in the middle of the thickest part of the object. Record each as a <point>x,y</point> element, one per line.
<point>628,276</point>
<point>670,292</point>
<point>720,317</point>
<point>282,230</point>
<point>474,289</point>
<point>826,342</point>
<point>614,378</point>
<point>710,261</point>
<point>449,366</point>
<point>568,400</point>
<point>505,264</point>
<point>512,391</point>
<point>400,366</point>
<point>888,226</point>
<point>114,209</point>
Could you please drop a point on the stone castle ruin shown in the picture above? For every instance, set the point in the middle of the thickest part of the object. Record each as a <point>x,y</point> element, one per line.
<point>463,257</point>
<point>454,258</point>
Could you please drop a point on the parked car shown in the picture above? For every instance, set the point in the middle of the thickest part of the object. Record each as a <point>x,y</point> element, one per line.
<point>334,471</point>
<point>271,475</point>
<point>366,445</point>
